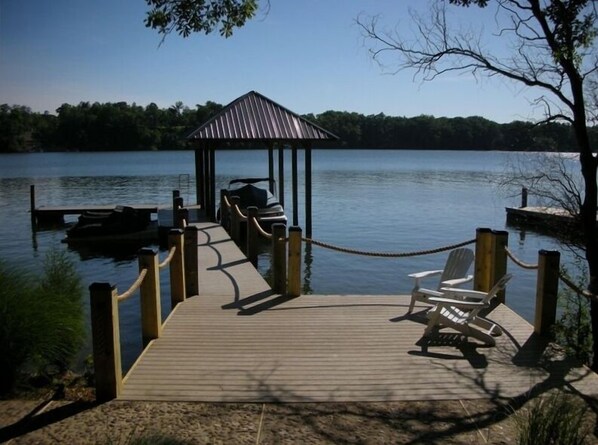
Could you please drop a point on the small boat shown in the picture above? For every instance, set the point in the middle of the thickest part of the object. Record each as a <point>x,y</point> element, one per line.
<point>256,192</point>
<point>121,224</point>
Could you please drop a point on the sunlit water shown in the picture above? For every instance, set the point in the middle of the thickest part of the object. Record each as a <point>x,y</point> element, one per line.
<point>385,201</point>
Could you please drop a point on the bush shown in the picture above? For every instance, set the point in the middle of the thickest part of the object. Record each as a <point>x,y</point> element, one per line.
<point>42,322</point>
<point>573,331</point>
<point>557,419</point>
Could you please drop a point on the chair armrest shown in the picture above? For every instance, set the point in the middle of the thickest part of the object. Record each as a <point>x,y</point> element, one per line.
<point>427,273</point>
<point>456,281</point>
<point>429,292</point>
<point>419,275</point>
<point>456,292</point>
<point>441,301</point>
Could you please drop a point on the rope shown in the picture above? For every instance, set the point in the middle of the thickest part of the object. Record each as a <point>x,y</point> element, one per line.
<point>260,230</point>
<point>226,201</point>
<point>519,262</point>
<point>169,258</point>
<point>577,289</point>
<point>239,214</point>
<point>133,287</point>
<point>387,254</point>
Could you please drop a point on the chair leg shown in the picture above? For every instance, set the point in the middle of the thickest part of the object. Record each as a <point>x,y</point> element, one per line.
<point>487,325</point>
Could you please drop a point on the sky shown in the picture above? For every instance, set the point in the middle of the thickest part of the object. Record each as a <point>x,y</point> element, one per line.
<point>308,55</point>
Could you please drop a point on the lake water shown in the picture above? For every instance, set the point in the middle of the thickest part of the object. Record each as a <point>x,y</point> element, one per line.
<point>388,201</point>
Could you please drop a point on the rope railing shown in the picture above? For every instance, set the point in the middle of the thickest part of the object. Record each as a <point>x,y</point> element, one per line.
<point>260,229</point>
<point>226,201</point>
<point>387,254</point>
<point>239,213</point>
<point>571,285</point>
<point>520,263</point>
<point>168,258</point>
<point>134,286</point>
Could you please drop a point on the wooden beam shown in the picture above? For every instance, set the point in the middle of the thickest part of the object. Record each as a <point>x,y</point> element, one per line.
<point>295,187</point>
<point>308,193</point>
<point>212,214</point>
<point>281,174</point>
<point>199,178</point>
<point>271,168</point>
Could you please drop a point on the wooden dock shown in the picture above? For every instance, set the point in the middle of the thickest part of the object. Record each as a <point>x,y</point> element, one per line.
<point>238,342</point>
<point>538,215</point>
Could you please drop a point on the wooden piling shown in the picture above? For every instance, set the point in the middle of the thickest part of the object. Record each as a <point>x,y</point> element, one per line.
<point>547,290</point>
<point>524,197</point>
<point>106,341</point>
<point>500,241</point>
<point>235,222</point>
<point>32,207</point>
<point>191,261</point>
<point>294,264</point>
<point>151,313</point>
<point>177,267</point>
<point>279,258</point>
<point>483,260</point>
<point>252,235</point>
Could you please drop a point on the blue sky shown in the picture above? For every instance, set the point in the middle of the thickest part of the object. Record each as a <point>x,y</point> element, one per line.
<point>307,55</point>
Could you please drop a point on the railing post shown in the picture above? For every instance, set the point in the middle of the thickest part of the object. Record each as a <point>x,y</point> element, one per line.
<point>279,258</point>
<point>500,240</point>
<point>252,235</point>
<point>106,341</point>
<point>483,258</point>
<point>175,195</point>
<point>547,290</point>
<point>177,267</point>
<point>235,231</point>
<point>224,211</point>
<point>191,261</point>
<point>151,316</point>
<point>294,285</point>
<point>178,213</point>
<point>523,197</point>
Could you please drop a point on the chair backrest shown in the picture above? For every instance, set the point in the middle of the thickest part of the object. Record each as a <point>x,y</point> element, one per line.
<point>457,264</point>
<point>500,285</point>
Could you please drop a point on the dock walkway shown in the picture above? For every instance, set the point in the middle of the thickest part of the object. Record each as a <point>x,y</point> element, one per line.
<point>237,342</point>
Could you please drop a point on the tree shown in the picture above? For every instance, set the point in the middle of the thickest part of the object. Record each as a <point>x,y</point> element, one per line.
<point>553,51</point>
<point>187,16</point>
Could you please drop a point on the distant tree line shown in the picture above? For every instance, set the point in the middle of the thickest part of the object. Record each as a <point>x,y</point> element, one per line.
<point>120,126</point>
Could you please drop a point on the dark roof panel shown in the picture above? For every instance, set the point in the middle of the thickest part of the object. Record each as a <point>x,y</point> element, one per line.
<point>255,117</point>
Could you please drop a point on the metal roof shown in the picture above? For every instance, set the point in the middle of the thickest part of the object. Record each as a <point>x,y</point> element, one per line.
<point>254,117</point>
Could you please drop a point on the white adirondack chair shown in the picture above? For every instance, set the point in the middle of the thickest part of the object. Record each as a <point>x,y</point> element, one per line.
<point>453,275</point>
<point>459,309</point>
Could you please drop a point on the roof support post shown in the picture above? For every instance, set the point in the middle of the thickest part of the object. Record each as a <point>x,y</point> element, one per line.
<point>199,179</point>
<point>281,174</point>
<point>212,214</point>
<point>271,168</point>
<point>295,187</point>
<point>308,230</point>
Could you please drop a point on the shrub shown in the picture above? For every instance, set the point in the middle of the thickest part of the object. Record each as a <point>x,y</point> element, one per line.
<point>42,321</point>
<point>573,330</point>
<point>557,419</point>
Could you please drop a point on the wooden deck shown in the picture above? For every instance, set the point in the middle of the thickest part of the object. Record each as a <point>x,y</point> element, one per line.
<point>236,342</point>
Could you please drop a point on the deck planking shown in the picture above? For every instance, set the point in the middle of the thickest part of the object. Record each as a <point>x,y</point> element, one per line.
<point>237,342</point>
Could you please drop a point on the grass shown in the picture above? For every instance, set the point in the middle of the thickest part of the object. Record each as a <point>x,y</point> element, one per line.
<point>42,320</point>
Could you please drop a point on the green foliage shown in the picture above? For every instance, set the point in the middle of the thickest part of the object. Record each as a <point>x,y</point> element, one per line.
<point>119,126</point>
<point>186,17</point>
<point>42,321</point>
<point>557,419</point>
<point>573,330</point>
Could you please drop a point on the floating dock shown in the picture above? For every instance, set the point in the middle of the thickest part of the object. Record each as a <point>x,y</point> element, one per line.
<point>237,341</point>
<point>539,216</point>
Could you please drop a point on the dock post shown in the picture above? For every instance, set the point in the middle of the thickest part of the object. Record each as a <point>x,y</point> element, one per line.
<point>235,231</point>
<point>224,211</point>
<point>547,290</point>
<point>279,258</point>
<point>191,261</point>
<point>500,240</point>
<point>151,316</point>
<point>252,235</point>
<point>294,274</point>
<point>524,197</point>
<point>483,259</point>
<point>106,341</point>
<point>177,267</point>
<point>32,206</point>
